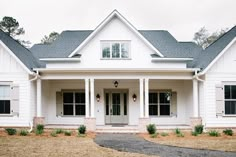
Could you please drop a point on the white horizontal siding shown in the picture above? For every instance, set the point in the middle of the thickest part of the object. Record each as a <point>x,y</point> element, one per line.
<point>222,71</point>
<point>12,71</point>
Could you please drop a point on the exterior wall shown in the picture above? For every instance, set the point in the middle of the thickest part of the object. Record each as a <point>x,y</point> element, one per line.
<point>49,101</point>
<point>222,71</point>
<point>12,71</point>
<point>184,101</point>
<point>116,30</point>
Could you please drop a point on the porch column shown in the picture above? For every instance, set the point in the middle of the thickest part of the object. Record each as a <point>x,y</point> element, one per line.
<point>38,119</point>
<point>195,98</point>
<point>141,97</point>
<point>146,97</point>
<point>92,97</point>
<point>87,98</point>
<point>39,98</point>
<point>195,119</point>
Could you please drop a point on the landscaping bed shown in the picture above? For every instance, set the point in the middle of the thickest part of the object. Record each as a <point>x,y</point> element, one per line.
<point>201,141</point>
<point>47,145</point>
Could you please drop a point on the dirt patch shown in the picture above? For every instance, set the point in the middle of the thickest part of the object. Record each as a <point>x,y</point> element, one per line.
<point>46,145</point>
<point>203,141</point>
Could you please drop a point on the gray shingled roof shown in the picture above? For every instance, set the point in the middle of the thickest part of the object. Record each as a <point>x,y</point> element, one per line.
<point>160,39</point>
<point>70,40</point>
<point>212,51</point>
<point>63,46</point>
<point>20,51</point>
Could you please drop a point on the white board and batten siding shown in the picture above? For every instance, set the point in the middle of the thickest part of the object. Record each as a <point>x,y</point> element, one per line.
<point>223,72</point>
<point>16,76</point>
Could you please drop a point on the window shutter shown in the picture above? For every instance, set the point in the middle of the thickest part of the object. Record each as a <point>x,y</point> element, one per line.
<point>14,94</point>
<point>219,99</point>
<point>173,106</point>
<point>59,103</point>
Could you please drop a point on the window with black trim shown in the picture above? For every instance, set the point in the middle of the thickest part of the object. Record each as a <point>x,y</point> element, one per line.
<point>73,103</point>
<point>5,106</point>
<point>230,99</point>
<point>159,103</point>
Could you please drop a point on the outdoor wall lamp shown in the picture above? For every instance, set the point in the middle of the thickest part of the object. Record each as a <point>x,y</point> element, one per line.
<point>98,97</point>
<point>134,97</point>
<point>116,84</point>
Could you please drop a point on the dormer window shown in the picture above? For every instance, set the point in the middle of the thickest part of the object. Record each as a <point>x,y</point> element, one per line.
<point>115,49</point>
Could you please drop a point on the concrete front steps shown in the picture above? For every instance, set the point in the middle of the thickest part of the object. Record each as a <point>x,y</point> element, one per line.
<point>116,129</point>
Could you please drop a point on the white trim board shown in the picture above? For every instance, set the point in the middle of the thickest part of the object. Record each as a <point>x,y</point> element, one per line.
<point>16,58</point>
<point>115,13</point>
<point>218,56</point>
<point>60,59</point>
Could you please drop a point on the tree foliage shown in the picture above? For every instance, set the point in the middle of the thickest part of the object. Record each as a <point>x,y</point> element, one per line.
<point>50,38</point>
<point>203,38</point>
<point>11,26</point>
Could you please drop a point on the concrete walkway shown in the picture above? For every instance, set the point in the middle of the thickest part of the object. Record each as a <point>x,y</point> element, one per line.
<point>133,143</point>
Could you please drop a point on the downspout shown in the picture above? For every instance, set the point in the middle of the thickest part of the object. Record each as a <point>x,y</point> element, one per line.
<point>33,79</point>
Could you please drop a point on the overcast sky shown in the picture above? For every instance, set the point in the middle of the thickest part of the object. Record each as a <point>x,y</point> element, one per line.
<point>180,17</point>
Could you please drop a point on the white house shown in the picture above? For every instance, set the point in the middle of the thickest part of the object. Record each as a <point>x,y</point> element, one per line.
<point>117,75</point>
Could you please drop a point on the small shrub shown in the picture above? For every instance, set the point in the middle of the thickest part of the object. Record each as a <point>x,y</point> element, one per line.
<point>10,131</point>
<point>59,131</point>
<point>53,134</point>
<point>198,129</point>
<point>82,129</point>
<point>164,134</point>
<point>24,133</point>
<point>154,135</point>
<point>151,128</point>
<point>228,132</point>
<point>180,134</point>
<point>39,129</point>
<point>214,133</point>
<point>67,133</point>
<point>177,131</point>
<point>194,133</point>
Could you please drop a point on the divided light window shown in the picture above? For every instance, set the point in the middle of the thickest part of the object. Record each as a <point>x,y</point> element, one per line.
<point>230,99</point>
<point>74,103</point>
<point>159,103</point>
<point>115,50</point>
<point>5,99</point>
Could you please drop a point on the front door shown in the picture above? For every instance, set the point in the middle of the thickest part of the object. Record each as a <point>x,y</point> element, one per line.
<point>116,107</point>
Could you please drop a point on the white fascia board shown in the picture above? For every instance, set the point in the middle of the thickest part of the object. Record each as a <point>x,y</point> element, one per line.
<point>218,57</point>
<point>16,58</point>
<point>172,59</point>
<point>116,70</point>
<point>104,22</point>
<point>60,59</point>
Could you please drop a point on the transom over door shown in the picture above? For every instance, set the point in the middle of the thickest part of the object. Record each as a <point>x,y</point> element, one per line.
<point>116,107</point>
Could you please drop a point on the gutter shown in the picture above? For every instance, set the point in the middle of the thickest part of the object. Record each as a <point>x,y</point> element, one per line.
<point>196,76</point>
<point>36,76</point>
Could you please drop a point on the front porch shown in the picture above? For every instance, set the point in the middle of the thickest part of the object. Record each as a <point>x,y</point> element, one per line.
<point>102,106</point>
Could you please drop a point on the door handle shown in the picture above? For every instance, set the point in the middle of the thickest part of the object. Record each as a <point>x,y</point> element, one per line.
<point>110,111</point>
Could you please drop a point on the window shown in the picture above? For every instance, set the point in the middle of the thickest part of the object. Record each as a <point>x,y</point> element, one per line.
<point>159,103</point>
<point>5,99</point>
<point>230,99</point>
<point>74,103</point>
<point>115,50</point>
